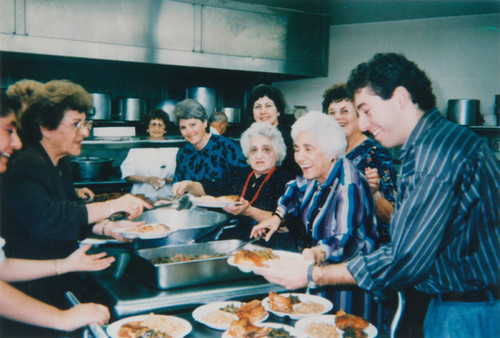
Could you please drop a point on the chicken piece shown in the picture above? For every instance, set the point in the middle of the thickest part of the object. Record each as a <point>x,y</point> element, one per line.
<point>344,320</point>
<point>280,303</point>
<point>253,311</point>
<point>243,328</point>
<point>248,258</point>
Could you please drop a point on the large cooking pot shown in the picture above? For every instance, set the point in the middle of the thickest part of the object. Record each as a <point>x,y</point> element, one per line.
<point>190,225</point>
<point>233,114</point>
<point>90,168</point>
<point>465,112</point>
<point>101,109</point>
<point>206,96</point>
<point>131,109</point>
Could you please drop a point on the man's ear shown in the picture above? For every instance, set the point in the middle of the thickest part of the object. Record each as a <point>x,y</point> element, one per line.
<point>402,96</point>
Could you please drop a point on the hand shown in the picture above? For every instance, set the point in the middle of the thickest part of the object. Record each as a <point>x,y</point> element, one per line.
<point>309,256</point>
<point>237,209</point>
<point>80,261</point>
<point>292,276</point>
<point>267,227</point>
<point>156,182</point>
<point>180,188</point>
<point>132,205</point>
<point>373,178</point>
<point>82,315</point>
<point>111,228</point>
<point>85,194</point>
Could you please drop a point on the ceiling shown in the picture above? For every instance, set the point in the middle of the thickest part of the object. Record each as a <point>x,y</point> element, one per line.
<point>341,12</point>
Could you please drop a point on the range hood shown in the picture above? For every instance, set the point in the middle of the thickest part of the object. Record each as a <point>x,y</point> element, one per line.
<point>214,34</point>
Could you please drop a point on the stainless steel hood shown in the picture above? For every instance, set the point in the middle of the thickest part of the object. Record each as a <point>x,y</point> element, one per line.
<point>215,34</point>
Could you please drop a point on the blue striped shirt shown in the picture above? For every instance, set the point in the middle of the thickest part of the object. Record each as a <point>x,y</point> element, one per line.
<point>339,214</point>
<point>446,228</point>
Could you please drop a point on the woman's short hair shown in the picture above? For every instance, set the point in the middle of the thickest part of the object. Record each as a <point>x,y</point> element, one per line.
<point>335,93</point>
<point>190,109</point>
<point>156,114</point>
<point>49,104</point>
<point>268,130</point>
<point>22,90</point>
<point>8,105</point>
<point>262,90</point>
<point>329,134</point>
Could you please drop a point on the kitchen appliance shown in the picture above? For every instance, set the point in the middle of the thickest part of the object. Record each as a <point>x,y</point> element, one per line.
<point>90,168</point>
<point>131,109</point>
<point>101,109</point>
<point>464,112</point>
<point>168,106</point>
<point>206,96</point>
<point>186,273</point>
<point>233,114</point>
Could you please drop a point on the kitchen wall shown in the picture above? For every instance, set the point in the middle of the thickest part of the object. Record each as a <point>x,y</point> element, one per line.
<point>461,55</point>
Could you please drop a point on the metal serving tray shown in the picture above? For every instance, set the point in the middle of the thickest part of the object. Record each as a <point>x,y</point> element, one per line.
<point>173,275</point>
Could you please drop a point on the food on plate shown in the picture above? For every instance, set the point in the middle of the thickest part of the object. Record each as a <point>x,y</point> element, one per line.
<point>307,308</point>
<point>245,328</point>
<point>344,320</point>
<point>279,333</point>
<point>230,308</point>
<point>152,326</point>
<point>219,317</point>
<point>227,198</point>
<point>183,258</point>
<point>148,229</point>
<point>321,330</point>
<point>253,258</point>
<point>253,311</point>
<point>349,332</point>
<point>280,303</point>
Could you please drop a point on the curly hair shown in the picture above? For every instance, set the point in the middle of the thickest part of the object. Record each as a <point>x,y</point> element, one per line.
<point>156,114</point>
<point>267,130</point>
<point>335,93</point>
<point>262,90</point>
<point>190,109</point>
<point>387,71</point>
<point>8,105</point>
<point>50,103</point>
<point>22,90</point>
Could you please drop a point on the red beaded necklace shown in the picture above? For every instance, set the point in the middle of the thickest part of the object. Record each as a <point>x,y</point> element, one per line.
<point>263,182</point>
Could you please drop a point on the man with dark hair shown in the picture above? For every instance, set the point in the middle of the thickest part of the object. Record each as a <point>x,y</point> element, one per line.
<point>445,233</point>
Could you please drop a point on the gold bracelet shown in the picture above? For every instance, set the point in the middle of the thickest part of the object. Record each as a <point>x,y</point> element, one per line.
<point>104,227</point>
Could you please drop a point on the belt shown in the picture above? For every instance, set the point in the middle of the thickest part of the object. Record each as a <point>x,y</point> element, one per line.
<point>472,296</point>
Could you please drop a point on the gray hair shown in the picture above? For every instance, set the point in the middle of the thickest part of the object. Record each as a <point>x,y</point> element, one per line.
<point>189,109</point>
<point>325,130</point>
<point>218,116</point>
<point>267,130</point>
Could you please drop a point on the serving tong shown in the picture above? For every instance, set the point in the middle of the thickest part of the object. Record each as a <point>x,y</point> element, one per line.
<point>182,203</point>
<point>95,328</point>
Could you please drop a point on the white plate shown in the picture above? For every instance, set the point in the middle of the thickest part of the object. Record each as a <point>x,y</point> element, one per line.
<point>200,312</point>
<point>304,298</point>
<point>285,257</point>
<point>199,202</point>
<point>293,332</point>
<point>114,328</point>
<point>127,233</point>
<point>302,325</point>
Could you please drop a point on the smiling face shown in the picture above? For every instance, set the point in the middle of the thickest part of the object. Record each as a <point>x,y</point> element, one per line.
<point>382,118</point>
<point>311,159</point>
<point>156,129</point>
<point>264,110</point>
<point>346,116</point>
<point>9,140</point>
<point>195,132</point>
<point>261,155</point>
<point>67,138</point>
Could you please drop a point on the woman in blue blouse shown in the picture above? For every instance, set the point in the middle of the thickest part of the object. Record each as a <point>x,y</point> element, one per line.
<point>366,154</point>
<point>333,201</point>
<point>206,156</point>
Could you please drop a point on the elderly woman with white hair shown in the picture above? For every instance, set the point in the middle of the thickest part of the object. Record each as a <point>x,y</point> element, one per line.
<point>259,185</point>
<point>332,199</point>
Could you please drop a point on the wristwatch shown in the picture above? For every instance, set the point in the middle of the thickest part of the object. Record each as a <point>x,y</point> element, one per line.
<point>310,282</point>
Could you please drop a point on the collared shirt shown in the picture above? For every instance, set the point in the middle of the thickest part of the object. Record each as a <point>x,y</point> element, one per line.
<point>339,215</point>
<point>446,228</point>
<point>219,156</point>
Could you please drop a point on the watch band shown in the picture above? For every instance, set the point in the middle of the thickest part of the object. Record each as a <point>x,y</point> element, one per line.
<point>310,282</point>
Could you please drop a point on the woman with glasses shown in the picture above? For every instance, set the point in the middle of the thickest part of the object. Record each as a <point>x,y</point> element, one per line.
<point>151,170</point>
<point>42,217</point>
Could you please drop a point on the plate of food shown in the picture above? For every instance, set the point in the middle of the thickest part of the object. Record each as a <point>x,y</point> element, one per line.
<point>296,305</point>
<point>151,325</point>
<point>220,315</point>
<point>208,201</point>
<point>148,231</point>
<point>248,260</point>
<point>244,328</point>
<point>335,326</point>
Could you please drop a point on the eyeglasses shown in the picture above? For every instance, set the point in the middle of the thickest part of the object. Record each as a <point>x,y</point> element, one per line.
<point>78,126</point>
<point>156,125</point>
